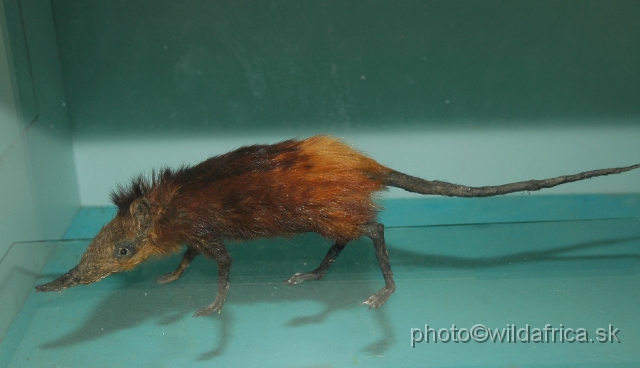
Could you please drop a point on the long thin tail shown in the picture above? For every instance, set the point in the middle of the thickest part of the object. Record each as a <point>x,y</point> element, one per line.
<point>435,187</point>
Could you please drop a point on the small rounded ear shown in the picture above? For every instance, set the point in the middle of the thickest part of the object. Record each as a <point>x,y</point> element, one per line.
<point>140,211</point>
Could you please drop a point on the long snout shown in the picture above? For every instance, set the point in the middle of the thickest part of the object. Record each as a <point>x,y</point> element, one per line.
<point>69,279</point>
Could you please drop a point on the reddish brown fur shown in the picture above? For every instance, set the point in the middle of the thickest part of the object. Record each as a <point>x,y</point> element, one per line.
<point>315,185</point>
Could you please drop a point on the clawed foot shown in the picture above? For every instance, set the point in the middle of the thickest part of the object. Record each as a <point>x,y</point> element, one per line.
<point>300,277</point>
<point>167,278</point>
<point>215,307</point>
<point>378,299</point>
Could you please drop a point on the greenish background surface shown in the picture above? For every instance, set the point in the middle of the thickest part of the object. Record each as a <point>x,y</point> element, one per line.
<point>189,67</point>
<point>38,184</point>
<point>477,93</point>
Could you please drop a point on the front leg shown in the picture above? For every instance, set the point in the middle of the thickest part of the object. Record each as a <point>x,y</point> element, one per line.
<point>188,256</point>
<point>216,250</point>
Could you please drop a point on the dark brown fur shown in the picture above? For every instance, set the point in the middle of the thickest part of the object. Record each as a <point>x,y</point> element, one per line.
<point>264,190</point>
<point>314,185</point>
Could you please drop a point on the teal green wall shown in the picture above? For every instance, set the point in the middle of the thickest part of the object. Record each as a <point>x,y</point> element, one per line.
<point>474,92</point>
<point>217,66</point>
<point>38,185</point>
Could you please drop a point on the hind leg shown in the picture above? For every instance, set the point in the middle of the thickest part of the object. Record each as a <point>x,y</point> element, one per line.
<point>217,251</point>
<point>188,256</point>
<point>319,272</point>
<point>375,231</point>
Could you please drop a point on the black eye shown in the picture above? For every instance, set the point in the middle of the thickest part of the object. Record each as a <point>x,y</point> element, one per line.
<point>125,249</point>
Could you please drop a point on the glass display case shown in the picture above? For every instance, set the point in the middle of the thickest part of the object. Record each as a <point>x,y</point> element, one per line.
<point>557,293</point>
<point>93,93</point>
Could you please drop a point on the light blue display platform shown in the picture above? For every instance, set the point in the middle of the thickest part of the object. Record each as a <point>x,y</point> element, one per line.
<point>568,274</point>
